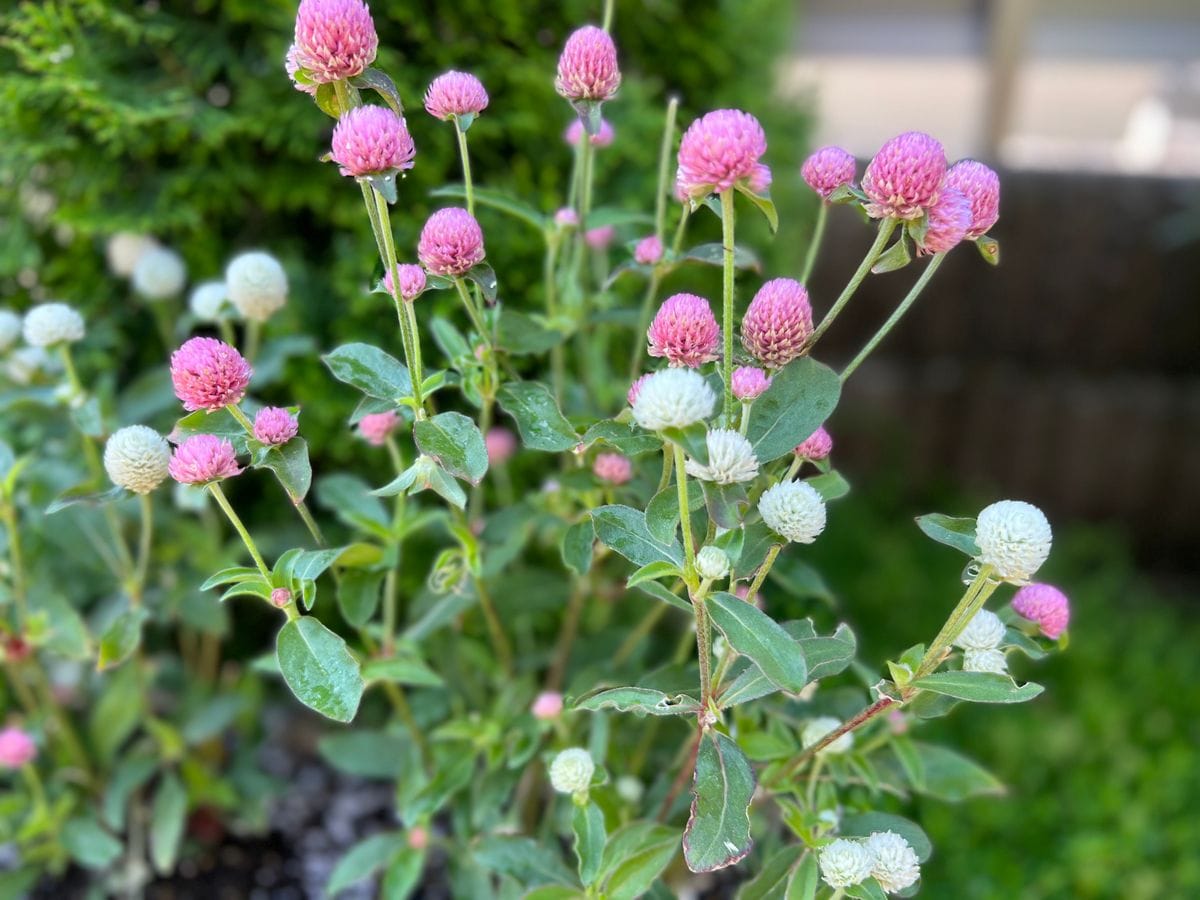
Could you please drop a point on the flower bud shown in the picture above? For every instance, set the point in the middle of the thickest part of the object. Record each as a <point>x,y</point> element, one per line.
<point>455,95</point>
<point>718,151</point>
<point>411,278</point>
<point>990,659</point>
<point>685,331</point>
<point>1046,605</point>
<point>571,771</point>
<point>816,446</point>
<point>947,224</point>
<point>451,242</point>
<point>828,169</point>
<point>501,444</point>
<point>124,249</point>
<point>816,729</point>
<point>712,563</point>
<point>281,597</point>
<point>749,383</point>
<point>203,459</point>
<point>844,863</point>
<point>207,300</point>
<point>16,748</point>
<point>982,187</point>
<point>984,632</point>
<point>614,468</point>
<point>587,68</point>
<point>649,251</point>
<point>904,177</point>
<point>602,138</point>
<point>731,458</point>
<point>334,39</point>
<point>10,329</point>
<point>777,323</point>
<point>374,428</point>
<point>547,705</point>
<point>275,425</point>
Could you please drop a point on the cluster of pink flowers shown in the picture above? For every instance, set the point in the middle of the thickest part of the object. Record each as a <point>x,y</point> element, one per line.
<point>649,251</point>
<point>816,446</point>
<point>16,748</point>
<point>275,425</point>
<point>614,468</point>
<point>501,444</point>
<point>587,68</point>
<point>566,218</point>
<point>828,169</point>
<point>602,138</point>
<point>334,39</point>
<point>749,383</point>
<point>719,151</point>
<point>411,279</point>
<point>685,331</point>
<point>455,95</point>
<point>375,427</point>
<point>778,323</point>
<point>372,140</point>
<point>1046,605</point>
<point>600,237</point>
<point>209,374</point>
<point>451,242</point>
<point>202,459</point>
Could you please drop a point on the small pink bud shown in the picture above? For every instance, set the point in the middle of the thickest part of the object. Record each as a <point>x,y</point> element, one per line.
<point>749,383</point>
<point>904,177</point>
<point>455,94</point>
<point>275,425</point>
<point>587,68</point>
<point>649,251</point>
<point>208,374</point>
<point>548,705</point>
<point>828,169</point>
<point>636,388</point>
<point>615,468</point>
<point>566,217</point>
<point>982,187</point>
<point>375,428</point>
<point>719,150</point>
<point>335,39</point>
<point>947,223</point>
<point>600,238</point>
<point>418,837</point>
<point>451,242</point>
<point>501,444</point>
<point>685,331</point>
<point>372,140</point>
<point>412,281</point>
<point>602,138</point>
<point>16,748</point>
<point>897,722</point>
<point>1046,605</point>
<point>281,597</point>
<point>16,649</point>
<point>777,323</point>
<point>817,445</point>
<point>742,592</point>
<point>203,458</point>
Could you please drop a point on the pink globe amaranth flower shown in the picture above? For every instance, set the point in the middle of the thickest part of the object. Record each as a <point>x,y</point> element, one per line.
<point>615,468</point>
<point>600,238</point>
<point>719,150</point>
<point>749,383</point>
<point>451,242</point>
<point>602,138</point>
<point>636,388</point>
<point>547,705</point>
<point>281,597</point>
<point>828,169</point>
<point>291,66</point>
<point>16,748</point>
<point>759,181</point>
<point>376,427</point>
<point>418,837</point>
<point>947,222</point>
<point>742,592</point>
<point>455,94</point>
<point>981,185</point>
<point>335,39</point>
<point>1046,605</point>
<point>501,444</point>
<point>587,68</point>
<point>412,281</point>
<point>685,331</point>
<point>777,323</point>
<point>904,177</point>
<point>275,425</point>
<point>203,458</point>
<point>209,374</point>
<point>372,140</point>
<point>649,251</point>
<point>817,445</point>
<point>566,218</point>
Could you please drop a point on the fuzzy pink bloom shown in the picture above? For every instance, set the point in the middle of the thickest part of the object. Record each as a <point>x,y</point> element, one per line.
<point>759,181</point>
<point>451,242</point>
<point>376,427</point>
<point>334,39</point>
<point>649,250</point>
<point>547,705</point>
<point>16,748</point>
<point>602,138</point>
<point>904,177</point>
<point>412,281</point>
<point>947,224</point>
<point>203,458</point>
<point>501,444</point>
<point>749,382</point>
<point>566,217</point>
<point>455,94</point>
<point>635,389</point>
<point>777,322</point>
<point>418,837</point>
<point>275,425</point>
<point>587,68</point>
<point>208,374</point>
<point>291,67</point>
<point>828,169</point>
<point>742,592</point>
<point>1046,605</point>
<point>281,597</point>
<point>371,140</point>
<point>817,445</point>
<point>982,187</point>
<point>685,331</point>
<point>615,468</point>
<point>600,238</point>
<point>719,150</point>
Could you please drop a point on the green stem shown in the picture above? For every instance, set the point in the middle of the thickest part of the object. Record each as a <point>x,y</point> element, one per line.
<point>704,648</point>
<point>608,14</point>
<point>223,502</point>
<point>408,329</point>
<point>886,227</point>
<point>499,638</point>
<point>242,418</point>
<point>664,168</point>
<point>763,571</point>
<point>973,599</point>
<point>145,539</point>
<point>685,519</point>
<point>814,245</point>
<point>225,329</point>
<point>62,724</point>
<point>727,247</point>
<point>472,312</point>
<point>253,337</point>
<point>895,317</point>
<point>667,469</point>
<point>16,561</point>
<point>466,166</point>
<point>566,634</point>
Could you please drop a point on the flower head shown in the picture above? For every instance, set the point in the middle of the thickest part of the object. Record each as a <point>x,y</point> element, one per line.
<point>828,169</point>
<point>587,68</point>
<point>257,285</point>
<point>948,222</point>
<point>455,94</point>
<point>24,364</point>
<point>987,659</point>
<point>209,374</point>
<point>335,39</point>
<point>50,324</point>
<point>160,274</point>
<point>275,425</point>
<point>731,458</point>
<point>817,445</point>
<point>281,597</point>
<point>1046,605</point>
<point>571,771</point>
<point>719,150</point>
<point>982,187</point>
<point>685,331</point>
<point>203,458</point>
<point>291,65</point>
<point>649,251</point>
<point>896,865</point>
<point>635,389</point>
<point>16,748</point>
<point>749,383</point>
<point>372,140</point>
<point>844,863</point>
<point>794,510</point>
<point>672,398</point>
<point>903,178</point>
<point>712,563</point>
<point>451,242</point>
<point>603,137</point>
<point>1014,538</point>
<point>600,237</point>
<point>136,458</point>
<point>411,278</point>
<point>566,218</point>
<point>207,299</point>
<point>614,468</point>
<point>777,323</point>
<point>10,328</point>
<point>375,427</point>
<point>547,705</point>
<point>984,632</point>
<point>818,728</point>
<point>759,180</point>
<point>501,444</point>
<point>124,249</point>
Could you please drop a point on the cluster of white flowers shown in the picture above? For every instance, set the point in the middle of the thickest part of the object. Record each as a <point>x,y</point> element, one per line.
<point>731,458</point>
<point>257,285</point>
<point>51,324</point>
<point>136,458</point>
<point>821,726</point>
<point>794,510</point>
<point>1014,538</point>
<point>673,398</point>
<point>712,563</point>
<point>885,856</point>
<point>571,771</point>
<point>160,274</point>
<point>10,329</point>
<point>125,249</point>
<point>207,300</point>
<point>980,642</point>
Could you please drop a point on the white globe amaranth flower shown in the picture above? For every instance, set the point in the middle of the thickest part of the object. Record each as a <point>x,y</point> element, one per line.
<point>630,789</point>
<point>896,865</point>
<point>206,300</point>
<point>984,632</point>
<point>731,458</point>
<point>844,863</point>
<point>1014,538</point>
<point>49,324</point>
<point>10,328</point>
<point>26,363</point>
<point>673,398</point>
<point>793,509</point>
<point>571,771</point>
<point>712,563</point>
<point>817,728</point>
<point>136,458</point>
<point>124,249</point>
<point>160,274</point>
<point>257,285</point>
<point>985,659</point>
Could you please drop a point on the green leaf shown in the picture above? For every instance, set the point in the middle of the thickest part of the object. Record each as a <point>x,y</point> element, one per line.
<point>653,571</point>
<point>714,255</point>
<point>621,436</point>
<point>866,890</point>
<point>588,825</point>
<point>319,668</point>
<point>453,442</point>
<point>764,205</point>
<point>662,512</point>
<point>541,423</point>
<point>978,687</point>
<point>349,498</point>
<point>402,874</point>
<point>85,495</point>
<point>364,753</point>
<point>895,257</point>
<point>121,638</point>
<point>402,669</point>
<point>801,396</point>
<point>378,81</point>
<point>363,860</point>
<point>864,824</point>
<point>772,881</point>
<point>623,529</point>
<point>522,334</point>
<point>126,777</point>
<point>830,485</point>
<point>231,575</point>
<point>758,637</point>
<point>718,828</point>
<point>577,546</point>
<point>952,777</point>
<point>642,701</point>
<point>803,884</point>
<point>369,369</point>
<point>89,844</point>
<point>485,277</point>
<point>167,815</point>
<point>358,595</point>
<point>499,201</point>
<point>636,854</point>
<point>290,464</point>
<point>522,858</point>
<point>658,592</point>
<point>989,249</point>
<point>957,533</point>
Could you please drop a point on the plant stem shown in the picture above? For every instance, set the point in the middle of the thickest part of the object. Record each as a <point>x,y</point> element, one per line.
<point>16,560</point>
<point>466,166</point>
<point>253,336</point>
<point>223,502</point>
<point>685,519</point>
<point>763,571</point>
<point>859,720</point>
<point>409,335</point>
<point>499,638</point>
<point>727,247</point>
<point>472,312</point>
<point>814,246</point>
<point>62,724</point>
<point>886,227</point>
<point>608,14</point>
<point>144,541</point>
<point>567,633</point>
<point>664,168</point>
<point>895,317</point>
<point>976,594</point>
